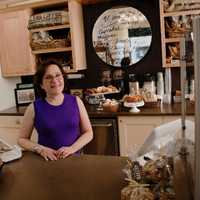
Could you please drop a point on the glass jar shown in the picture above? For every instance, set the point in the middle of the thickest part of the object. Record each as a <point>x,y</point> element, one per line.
<point>133,85</point>
<point>149,83</point>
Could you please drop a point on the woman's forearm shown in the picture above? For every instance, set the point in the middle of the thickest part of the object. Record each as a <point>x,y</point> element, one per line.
<point>84,139</point>
<point>28,144</point>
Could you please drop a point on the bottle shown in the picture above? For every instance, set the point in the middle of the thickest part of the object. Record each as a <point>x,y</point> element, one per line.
<point>160,85</point>
<point>168,86</point>
<point>133,85</point>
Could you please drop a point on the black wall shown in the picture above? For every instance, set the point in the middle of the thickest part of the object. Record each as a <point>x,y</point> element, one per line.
<point>150,63</point>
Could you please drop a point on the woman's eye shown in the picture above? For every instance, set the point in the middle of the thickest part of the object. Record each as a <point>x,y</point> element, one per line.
<point>58,75</point>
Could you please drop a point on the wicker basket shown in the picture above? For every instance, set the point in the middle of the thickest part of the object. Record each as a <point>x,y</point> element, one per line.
<point>56,43</point>
<point>46,19</point>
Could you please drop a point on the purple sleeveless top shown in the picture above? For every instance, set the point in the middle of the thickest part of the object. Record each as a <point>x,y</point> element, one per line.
<point>57,126</point>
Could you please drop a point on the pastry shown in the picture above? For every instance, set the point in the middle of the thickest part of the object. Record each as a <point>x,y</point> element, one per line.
<point>132,99</point>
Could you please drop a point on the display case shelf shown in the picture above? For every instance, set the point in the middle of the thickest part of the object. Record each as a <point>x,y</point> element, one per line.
<point>50,28</point>
<point>171,40</point>
<point>174,25</point>
<point>52,50</point>
<point>180,13</point>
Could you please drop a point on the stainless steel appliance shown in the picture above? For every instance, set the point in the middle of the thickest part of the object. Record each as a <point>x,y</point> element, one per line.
<point>105,141</point>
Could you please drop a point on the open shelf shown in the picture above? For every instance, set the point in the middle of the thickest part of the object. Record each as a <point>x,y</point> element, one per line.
<point>50,28</point>
<point>191,64</point>
<point>171,65</point>
<point>171,40</point>
<point>178,13</point>
<point>171,35</point>
<point>52,50</point>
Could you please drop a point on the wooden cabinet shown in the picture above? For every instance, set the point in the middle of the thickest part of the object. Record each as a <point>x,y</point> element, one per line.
<point>15,54</point>
<point>71,55</point>
<point>176,20</point>
<point>133,130</point>
<point>16,57</point>
<point>9,129</point>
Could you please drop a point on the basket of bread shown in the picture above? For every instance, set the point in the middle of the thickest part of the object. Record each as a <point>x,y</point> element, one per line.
<point>150,98</point>
<point>50,18</point>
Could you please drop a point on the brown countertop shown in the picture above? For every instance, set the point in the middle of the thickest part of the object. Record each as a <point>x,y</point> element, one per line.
<point>160,109</point>
<point>78,177</point>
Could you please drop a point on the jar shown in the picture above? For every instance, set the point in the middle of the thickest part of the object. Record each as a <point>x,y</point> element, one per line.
<point>133,85</point>
<point>149,83</point>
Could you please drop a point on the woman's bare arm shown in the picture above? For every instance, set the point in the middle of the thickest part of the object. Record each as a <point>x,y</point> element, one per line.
<point>25,135</point>
<point>26,129</point>
<point>86,133</point>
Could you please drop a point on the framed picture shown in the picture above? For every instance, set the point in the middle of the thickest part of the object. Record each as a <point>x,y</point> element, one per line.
<point>24,96</point>
<point>77,92</point>
<point>24,85</point>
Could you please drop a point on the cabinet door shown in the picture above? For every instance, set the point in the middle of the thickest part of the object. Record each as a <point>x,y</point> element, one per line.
<point>133,131</point>
<point>10,127</point>
<point>15,53</point>
<point>77,35</point>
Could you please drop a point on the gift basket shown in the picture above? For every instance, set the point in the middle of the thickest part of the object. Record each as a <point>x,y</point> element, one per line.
<point>163,168</point>
<point>46,19</point>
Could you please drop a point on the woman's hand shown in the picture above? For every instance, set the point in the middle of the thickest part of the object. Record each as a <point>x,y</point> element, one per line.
<point>63,152</point>
<point>47,153</point>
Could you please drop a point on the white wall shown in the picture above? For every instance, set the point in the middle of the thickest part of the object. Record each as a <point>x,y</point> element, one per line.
<point>7,96</point>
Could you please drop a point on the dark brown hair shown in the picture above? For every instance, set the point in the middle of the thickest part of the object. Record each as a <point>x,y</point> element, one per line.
<point>38,77</point>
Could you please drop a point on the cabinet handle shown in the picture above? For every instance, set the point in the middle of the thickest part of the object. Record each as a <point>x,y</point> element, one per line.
<point>102,125</point>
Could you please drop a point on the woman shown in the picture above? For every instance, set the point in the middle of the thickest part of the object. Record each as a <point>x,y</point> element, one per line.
<point>60,119</point>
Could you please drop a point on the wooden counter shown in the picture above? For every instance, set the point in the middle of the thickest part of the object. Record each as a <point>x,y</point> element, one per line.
<point>84,177</point>
<point>160,109</point>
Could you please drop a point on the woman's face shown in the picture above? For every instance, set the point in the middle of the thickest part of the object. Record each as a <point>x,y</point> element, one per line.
<point>53,81</point>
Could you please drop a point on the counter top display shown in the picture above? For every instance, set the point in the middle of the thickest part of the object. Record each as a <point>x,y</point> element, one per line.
<point>76,177</point>
<point>160,109</point>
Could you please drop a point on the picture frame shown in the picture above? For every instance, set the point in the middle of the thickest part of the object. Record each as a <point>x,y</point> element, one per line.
<point>24,96</point>
<point>24,85</point>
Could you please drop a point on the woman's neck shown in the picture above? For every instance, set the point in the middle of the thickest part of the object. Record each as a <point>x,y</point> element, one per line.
<point>55,99</point>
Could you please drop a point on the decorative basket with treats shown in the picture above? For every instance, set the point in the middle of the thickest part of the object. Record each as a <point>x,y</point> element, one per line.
<point>152,181</point>
<point>110,105</point>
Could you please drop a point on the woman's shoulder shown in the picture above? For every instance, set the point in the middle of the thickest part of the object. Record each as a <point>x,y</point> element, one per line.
<point>30,110</point>
<point>73,98</point>
<point>69,96</point>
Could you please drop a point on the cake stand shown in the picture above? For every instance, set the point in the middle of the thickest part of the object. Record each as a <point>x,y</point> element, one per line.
<point>134,106</point>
